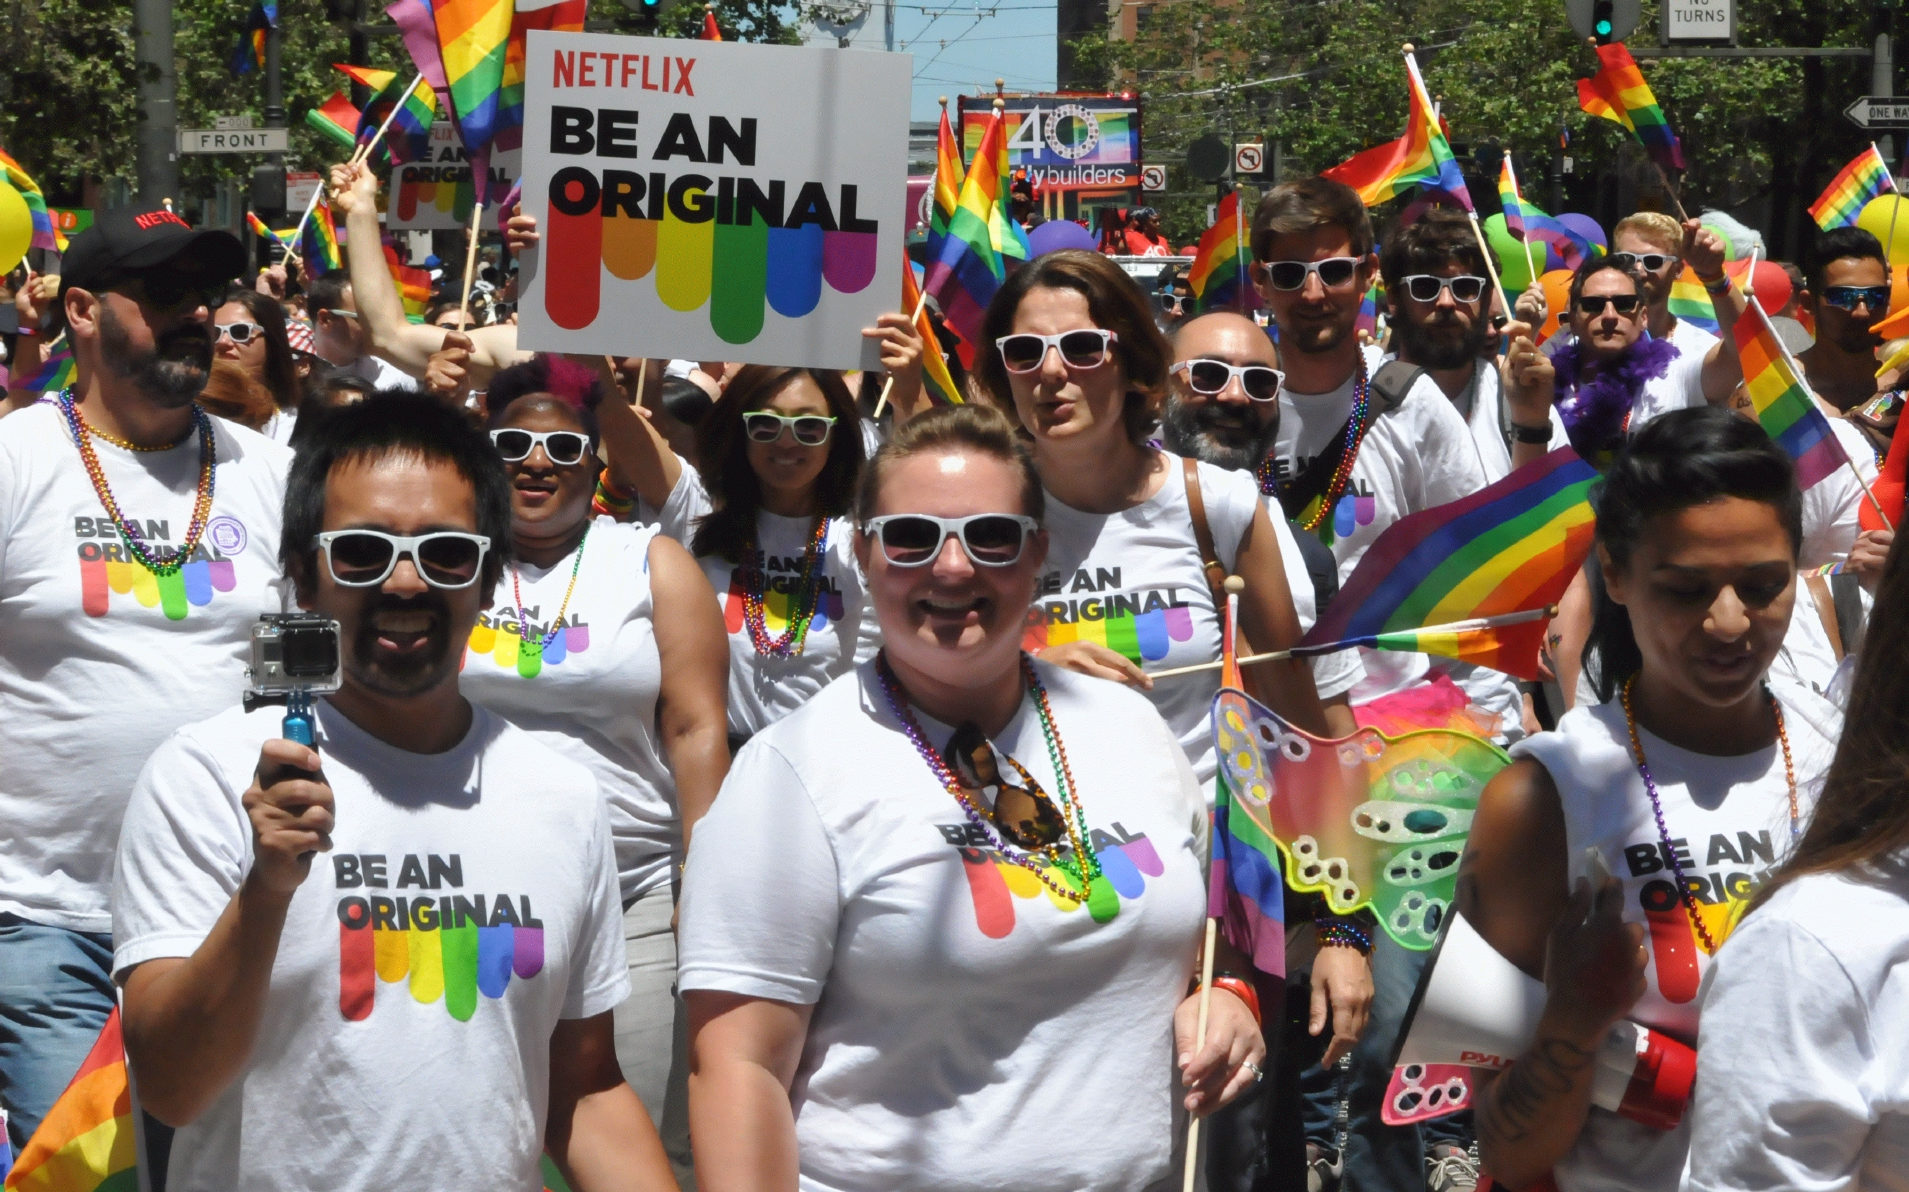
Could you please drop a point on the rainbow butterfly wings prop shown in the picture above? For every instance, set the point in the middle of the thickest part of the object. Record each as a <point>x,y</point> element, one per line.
<point>1366,820</point>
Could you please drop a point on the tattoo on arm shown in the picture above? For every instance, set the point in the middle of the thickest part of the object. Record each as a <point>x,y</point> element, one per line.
<point>1525,1096</point>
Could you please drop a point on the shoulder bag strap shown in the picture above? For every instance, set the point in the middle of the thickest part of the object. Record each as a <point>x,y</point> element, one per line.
<point>1202,532</point>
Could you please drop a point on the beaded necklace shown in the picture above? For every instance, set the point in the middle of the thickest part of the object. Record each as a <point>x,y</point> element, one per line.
<point>1657,804</point>
<point>755,584</point>
<point>556,625</point>
<point>128,532</point>
<point>1082,865</point>
<point>1348,455</point>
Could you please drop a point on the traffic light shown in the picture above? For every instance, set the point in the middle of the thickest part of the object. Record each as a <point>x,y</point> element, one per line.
<point>1602,21</point>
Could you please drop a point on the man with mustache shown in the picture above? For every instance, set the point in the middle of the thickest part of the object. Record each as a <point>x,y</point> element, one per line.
<point>391,956</point>
<point>136,550</point>
<point>1440,293</point>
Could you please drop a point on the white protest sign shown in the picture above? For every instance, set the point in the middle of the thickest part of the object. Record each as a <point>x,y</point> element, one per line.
<point>711,200</point>
<point>436,194</point>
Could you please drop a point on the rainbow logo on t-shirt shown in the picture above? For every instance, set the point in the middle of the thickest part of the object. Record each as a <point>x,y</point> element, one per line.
<point>994,882</point>
<point>1141,637</point>
<point>450,946</point>
<point>1348,515</point>
<point>779,601</point>
<point>107,567</point>
<point>501,639</point>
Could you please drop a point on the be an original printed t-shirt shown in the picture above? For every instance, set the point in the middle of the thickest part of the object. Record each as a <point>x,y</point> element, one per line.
<point>102,658</point>
<point>589,683</point>
<point>468,905</point>
<point>972,1029</point>
<point>763,689</point>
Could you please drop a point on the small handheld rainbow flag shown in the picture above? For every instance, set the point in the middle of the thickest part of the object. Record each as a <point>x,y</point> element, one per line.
<point>407,104</point>
<point>1219,272</point>
<point>1618,92</point>
<point>85,1143</point>
<point>1421,157</point>
<point>250,52</point>
<point>335,119</point>
<point>970,267</point>
<point>934,366</point>
<point>1528,224</point>
<point>56,373</point>
<point>555,16</point>
<point>1510,548</point>
<point>259,228</point>
<point>1367,320</point>
<point>318,245</point>
<point>473,39</point>
<point>1781,401</point>
<point>949,175</point>
<point>1246,889</point>
<point>1855,184</point>
<point>1689,302</point>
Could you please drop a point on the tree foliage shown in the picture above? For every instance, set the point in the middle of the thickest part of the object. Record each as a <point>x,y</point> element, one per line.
<point>1759,134</point>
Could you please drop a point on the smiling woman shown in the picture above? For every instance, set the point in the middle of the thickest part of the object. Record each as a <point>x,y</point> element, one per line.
<point>1690,782</point>
<point>987,889</point>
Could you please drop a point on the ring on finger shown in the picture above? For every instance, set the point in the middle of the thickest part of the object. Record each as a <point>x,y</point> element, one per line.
<point>1258,1072</point>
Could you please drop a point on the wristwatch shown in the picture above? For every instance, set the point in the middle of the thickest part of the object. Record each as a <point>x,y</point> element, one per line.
<point>1531,434</point>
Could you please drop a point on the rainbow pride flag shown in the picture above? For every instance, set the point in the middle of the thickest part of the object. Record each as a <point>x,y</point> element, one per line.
<point>1246,890</point>
<point>970,267</point>
<point>473,39</point>
<point>335,119</point>
<point>556,16</point>
<point>86,1141</point>
<point>414,285</point>
<point>409,136</point>
<point>1855,184</point>
<point>1367,320</point>
<point>1422,157</point>
<point>1618,92</point>
<point>318,248</point>
<point>56,373</point>
<point>367,76</point>
<point>934,366</point>
<point>250,52</point>
<point>45,234</point>
<point>259,228</point>
<point>1219,272</point>
<point>711,30</point>
<point>949,175</point>
<point>1781,401</point>
<point>1512,547</point>
<point>1527,224</point>
<point>1690,302</point>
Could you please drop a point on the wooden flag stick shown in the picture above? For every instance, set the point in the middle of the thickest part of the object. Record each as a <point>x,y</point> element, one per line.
<point>1206,1004</point>
<point>298,233</point>
<point>1470,625</point>
<point>914,321</point>
<point>1491,267</point>
<point>365,150</point>
<point>470,266</point>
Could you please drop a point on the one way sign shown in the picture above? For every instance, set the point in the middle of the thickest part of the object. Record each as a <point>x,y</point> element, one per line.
<point>1878,112</point>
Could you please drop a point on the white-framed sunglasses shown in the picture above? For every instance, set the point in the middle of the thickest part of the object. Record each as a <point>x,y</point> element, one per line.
<point>765,426</point>
<point>1208,377</point>
<point>1334,272</point>
<point>915,539</point>
<point>1025,351</point>
<point>1426,287</point>
<point>449,559</point>
<point>241,332</point>
<point>562,447</point>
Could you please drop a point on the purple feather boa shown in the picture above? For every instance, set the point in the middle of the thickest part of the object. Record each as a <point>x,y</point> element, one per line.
<point>1594,412</point>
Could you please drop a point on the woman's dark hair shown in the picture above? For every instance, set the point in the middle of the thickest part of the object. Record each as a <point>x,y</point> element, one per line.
<point>722,450</point>
<point>1677,461</point>
<point>1862,817</point>
<point>567,383</point>
<point>281,371</point>
<point>392,422</point>
<point>980,430</point>
<point>1114,302</point>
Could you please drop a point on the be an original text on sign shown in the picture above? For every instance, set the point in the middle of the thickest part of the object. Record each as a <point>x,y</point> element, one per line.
<point>711,200</point>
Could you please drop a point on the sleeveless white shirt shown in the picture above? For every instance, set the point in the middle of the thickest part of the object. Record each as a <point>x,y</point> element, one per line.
<point>1728,821</point>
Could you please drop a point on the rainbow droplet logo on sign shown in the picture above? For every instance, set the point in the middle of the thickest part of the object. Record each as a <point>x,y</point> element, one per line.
<point>741,246</point>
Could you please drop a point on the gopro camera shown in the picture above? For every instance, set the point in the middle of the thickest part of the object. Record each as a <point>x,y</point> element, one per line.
<point>293,653</point>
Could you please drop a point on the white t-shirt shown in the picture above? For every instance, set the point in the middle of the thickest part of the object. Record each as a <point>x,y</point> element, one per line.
<point>380,372</point>
<point>1488,423</point>
<point>1832,507</point>
<point>1131,581</point>
<point>355,1077</point>
<point>1682,385</point>
<point>970,1031</point>
<point>99,659</point>
<point>278,427</point>
<point>1729,820</point>
<point>592,694</point>
<point>1416,457</point>
<point>763,689</point>
<point>1803,1068</point>
<point>1332,674</point>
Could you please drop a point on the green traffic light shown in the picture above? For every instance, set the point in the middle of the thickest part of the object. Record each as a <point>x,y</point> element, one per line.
<point>1603,28</point>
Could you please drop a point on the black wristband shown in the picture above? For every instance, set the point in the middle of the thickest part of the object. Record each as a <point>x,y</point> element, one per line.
<point>1531,434</point>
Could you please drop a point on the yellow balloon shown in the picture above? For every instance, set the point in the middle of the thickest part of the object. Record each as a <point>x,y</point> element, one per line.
<point>1886,217</point>
<point>16,228</point>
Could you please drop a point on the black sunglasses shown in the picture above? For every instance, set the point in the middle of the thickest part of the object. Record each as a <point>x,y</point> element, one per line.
<point>169,289</point>
<point>1592,305</point>
<point>1023,812</point>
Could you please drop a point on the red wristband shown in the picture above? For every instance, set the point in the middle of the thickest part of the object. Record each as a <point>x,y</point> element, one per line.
<point>1242,989</point>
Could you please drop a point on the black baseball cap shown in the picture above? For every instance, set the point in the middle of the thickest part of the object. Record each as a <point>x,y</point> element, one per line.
<point>124,242</point>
